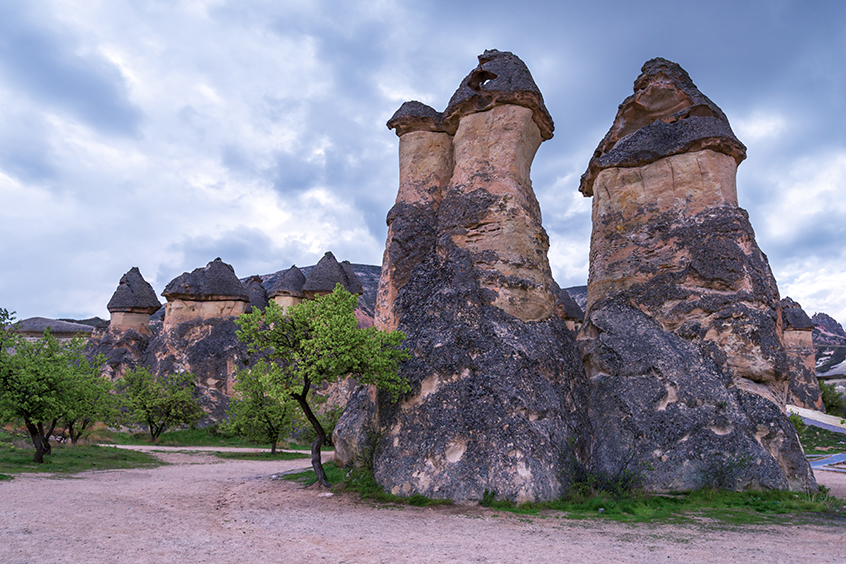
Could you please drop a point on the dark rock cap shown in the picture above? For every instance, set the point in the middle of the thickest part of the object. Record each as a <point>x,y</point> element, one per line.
<point>134,294</point>
<point>217,281</point>
<point>500,78</point>
<point>353,284</point>
<point>667,115</point>
<point>255,290</point>
<point>57,327</point>
<point>793,316</point>
<point>290,283</point>
<point>327,273</point>
<point>416,116</point>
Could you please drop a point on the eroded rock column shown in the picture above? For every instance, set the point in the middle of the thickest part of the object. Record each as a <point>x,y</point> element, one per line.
<point>682,339</point>
<point>497,384</point>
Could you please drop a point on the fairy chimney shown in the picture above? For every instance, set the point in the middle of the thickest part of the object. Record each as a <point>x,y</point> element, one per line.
<point>132,303</point>
<point>804,389</point>
<point>326,274</point>
<point>287,290</point>
<point>496,378</point>
<point>204,293</point>
<point>682,335</point>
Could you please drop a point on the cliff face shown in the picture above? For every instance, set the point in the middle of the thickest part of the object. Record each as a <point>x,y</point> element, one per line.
<point>682,339</point>
<point>830,344</point>
<point>496,380</point>
<point>803,389</point>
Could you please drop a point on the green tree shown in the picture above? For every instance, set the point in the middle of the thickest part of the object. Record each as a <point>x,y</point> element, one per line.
<point>316,342</point>
<point>89,399</point>
<point>834,403</point>
<point>159,402</point>
<point>255,413</point>
<point>42,381</point>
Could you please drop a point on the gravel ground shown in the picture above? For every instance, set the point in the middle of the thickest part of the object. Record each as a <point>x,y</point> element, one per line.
<point>200,508</point>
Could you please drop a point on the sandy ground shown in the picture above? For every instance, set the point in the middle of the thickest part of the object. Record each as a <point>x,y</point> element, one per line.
<point>200,508</point>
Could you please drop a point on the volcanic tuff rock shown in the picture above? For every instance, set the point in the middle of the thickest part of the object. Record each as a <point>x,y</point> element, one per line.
<point>132,303</point>
<point>497,385</point>
<point>682,339</point>
<point>204,293</point>
<point>256,291</point>
<point>327,273</point>
<point>803,390</point>
<point>830,344</point>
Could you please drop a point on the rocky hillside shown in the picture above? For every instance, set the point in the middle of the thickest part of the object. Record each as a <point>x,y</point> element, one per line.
<point>830,344</point>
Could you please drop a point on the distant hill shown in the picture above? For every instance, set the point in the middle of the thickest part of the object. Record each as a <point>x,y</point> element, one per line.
<point>830,345</point>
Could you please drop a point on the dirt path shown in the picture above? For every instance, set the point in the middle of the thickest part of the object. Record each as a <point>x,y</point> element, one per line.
<point>200,508</point>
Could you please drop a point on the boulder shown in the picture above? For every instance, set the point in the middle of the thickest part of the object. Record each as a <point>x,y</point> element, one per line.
<point>682,339</point>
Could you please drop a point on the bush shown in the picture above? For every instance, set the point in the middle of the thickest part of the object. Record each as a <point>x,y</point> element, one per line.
<point>798,423</point>
<point>835,404</point>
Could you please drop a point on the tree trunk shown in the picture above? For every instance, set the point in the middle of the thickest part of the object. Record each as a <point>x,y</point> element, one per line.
<point>316,463</point>
<point>37,441</point>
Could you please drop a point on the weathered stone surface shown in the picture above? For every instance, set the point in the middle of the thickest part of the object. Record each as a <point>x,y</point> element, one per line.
<point>255,290</point>
<point>290,283</point>
<point>703,375</point>
<point>830,345</point>
<point>208,348</point>
<point>497,385</point>
<point>327,273</point>
<point>803,389</point>
<point>204,293</point>
<point>134,295</point>
<point>215,281</point>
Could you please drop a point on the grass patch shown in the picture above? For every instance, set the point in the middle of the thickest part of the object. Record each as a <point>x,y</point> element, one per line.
<point>822,441</point>
<point>72,459</point>
<point>210,436</point>
<point>262,455</point>
<point>735,508</point>
<point>361,481</point>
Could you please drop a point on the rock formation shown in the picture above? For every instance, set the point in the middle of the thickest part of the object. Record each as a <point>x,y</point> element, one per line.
<point>204,293</point>
<point>682,336</point>
<point>803,390</point>
<point>256,292</point>
<point>326,274</point>
<point>830,345</point>
<point>132,303</point>
<point>496,379</point>
<point>287,290</point>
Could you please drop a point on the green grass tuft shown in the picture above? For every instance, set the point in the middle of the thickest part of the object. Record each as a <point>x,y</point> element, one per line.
<point>262,455</point>
<point>361,481</point>
<point>72,459</point>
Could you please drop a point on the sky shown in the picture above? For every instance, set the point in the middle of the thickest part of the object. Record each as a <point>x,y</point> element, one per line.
<point>164,134</point>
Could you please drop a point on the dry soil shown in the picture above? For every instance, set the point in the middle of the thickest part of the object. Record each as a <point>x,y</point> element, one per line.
<point>200,508</point>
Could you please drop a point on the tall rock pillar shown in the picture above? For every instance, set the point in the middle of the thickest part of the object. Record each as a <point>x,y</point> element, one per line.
<point>497,384</point>
<point>682,339</point>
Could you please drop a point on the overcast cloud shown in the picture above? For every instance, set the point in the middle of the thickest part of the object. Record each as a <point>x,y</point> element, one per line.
<point>162,134</point>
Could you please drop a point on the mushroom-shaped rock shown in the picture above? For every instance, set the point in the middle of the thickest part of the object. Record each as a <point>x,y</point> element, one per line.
<point>132,303</point>
<point>287,290</point>
<point>497,386</point>
<point>667,115</point>
<point>803,389</point>
<point>256,292</point>
<point>501,78</point>
<point>682,339</point>
<point>326,274</point>
<point>212,291</point>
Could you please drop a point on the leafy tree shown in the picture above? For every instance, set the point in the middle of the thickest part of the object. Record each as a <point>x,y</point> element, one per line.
<point>256,414</point>
<point>316,342</point>
<point>43,381</point>
<point>159,402</point>
<point>89,399</point>
<point>834,403</point>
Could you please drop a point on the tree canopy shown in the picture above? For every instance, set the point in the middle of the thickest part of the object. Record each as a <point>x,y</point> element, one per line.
<point>159,401</point>
<point>317,342</point>
<point>46,381</point>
